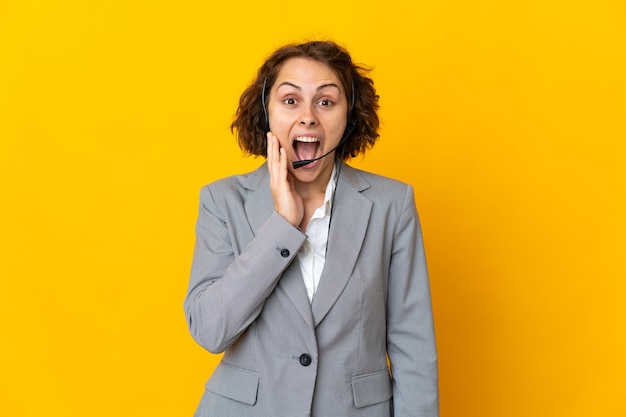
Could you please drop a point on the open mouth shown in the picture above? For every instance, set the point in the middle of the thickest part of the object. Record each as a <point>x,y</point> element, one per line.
<point>306,147</point>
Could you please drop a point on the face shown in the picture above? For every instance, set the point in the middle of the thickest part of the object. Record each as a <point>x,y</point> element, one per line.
<point>308,110</point>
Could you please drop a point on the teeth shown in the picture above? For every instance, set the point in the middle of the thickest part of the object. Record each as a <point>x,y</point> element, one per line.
<point>306,139</point>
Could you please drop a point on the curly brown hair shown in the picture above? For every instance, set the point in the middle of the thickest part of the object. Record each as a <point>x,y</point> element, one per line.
<point>250,119</point>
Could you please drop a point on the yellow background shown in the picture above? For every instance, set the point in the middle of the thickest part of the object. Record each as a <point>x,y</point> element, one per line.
<point>508,117</point>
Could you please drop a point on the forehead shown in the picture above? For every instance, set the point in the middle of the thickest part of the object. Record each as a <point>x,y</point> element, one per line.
<point>304,71</point>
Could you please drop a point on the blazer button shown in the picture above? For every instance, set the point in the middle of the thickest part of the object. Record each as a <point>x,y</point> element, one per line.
<point>305,359</point>
<point>284,253</point>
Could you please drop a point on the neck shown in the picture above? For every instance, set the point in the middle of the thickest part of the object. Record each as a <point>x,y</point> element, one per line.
<point>310,190</point>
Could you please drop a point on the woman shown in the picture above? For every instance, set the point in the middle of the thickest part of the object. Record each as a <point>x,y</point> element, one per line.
<point>310,276</point>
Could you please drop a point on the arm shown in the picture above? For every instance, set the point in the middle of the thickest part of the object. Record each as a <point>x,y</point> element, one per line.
<point>410,332</point>
<point>227,292</point>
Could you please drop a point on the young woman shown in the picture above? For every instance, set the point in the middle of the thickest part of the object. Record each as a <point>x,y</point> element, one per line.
<point>308,274</point>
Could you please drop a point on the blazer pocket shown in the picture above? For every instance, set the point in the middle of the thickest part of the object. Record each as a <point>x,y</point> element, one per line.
<point>235,383</point>
<point>371,389</point>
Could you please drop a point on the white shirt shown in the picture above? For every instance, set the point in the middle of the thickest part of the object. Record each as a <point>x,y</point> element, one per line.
<point>312,254</point>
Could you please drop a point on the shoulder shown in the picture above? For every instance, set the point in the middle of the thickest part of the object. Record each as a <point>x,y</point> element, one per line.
<point>232,188</point>
<point>378,186</point>
<point>390,198</point>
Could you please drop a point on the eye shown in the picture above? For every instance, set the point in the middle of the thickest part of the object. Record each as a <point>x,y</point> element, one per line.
<point>290,101</point>
<point>325,102</point>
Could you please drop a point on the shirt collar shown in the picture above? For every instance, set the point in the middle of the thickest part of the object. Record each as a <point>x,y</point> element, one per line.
<point>325,209</point>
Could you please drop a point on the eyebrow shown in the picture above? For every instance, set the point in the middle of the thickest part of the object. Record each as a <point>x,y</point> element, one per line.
<point>297,87</point>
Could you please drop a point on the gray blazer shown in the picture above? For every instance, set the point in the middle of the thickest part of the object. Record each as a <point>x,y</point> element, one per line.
<point>285,357</point>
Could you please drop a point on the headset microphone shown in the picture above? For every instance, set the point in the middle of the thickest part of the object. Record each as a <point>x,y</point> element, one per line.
<point>300,164</point>
<point>346,133</point>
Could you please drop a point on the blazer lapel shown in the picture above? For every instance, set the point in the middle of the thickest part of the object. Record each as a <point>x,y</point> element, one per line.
<point>259,206</point>
<point>350,217</point>
<point>292,284</point>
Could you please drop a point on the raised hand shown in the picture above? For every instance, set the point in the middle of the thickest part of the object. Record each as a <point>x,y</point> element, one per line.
<point>287,201</point>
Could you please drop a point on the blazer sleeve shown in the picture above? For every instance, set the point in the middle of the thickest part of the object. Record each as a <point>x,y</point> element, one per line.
<point>227,291</point>
<point>410,331</point>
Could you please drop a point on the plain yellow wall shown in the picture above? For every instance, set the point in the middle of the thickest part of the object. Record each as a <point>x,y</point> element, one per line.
<point>507,117</point>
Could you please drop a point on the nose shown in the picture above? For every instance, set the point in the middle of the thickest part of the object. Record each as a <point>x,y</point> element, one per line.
<point>307,118</point>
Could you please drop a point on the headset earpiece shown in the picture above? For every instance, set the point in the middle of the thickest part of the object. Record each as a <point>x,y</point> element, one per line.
<point>265,121</point>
